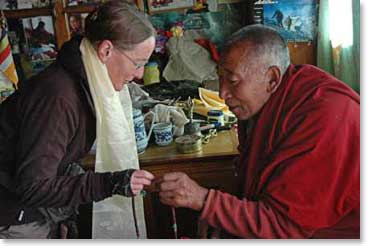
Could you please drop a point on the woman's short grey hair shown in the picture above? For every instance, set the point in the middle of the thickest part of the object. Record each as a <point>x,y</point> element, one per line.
<point>266,42</point>
<point>119,21</point>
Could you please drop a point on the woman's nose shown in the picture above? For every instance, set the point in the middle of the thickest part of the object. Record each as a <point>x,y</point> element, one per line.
<point>139,73</point>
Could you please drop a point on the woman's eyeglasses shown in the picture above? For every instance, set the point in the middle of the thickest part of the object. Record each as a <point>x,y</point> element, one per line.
<point>136,64</point>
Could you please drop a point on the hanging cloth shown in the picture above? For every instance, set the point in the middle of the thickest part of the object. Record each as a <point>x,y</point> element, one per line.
<point>115,149</point>
<point>7,66</point>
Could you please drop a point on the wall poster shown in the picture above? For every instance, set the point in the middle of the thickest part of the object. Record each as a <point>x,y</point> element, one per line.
<point>295,20</point>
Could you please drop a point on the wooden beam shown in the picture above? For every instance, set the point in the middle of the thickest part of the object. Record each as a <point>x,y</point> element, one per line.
<point>60,23</point>
<point>26,13</point>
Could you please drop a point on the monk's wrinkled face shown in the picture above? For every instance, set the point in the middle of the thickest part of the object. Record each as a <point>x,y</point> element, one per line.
<point>243,81</point>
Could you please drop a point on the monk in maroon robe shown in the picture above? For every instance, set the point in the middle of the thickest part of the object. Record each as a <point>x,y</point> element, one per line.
<point>299,134</point>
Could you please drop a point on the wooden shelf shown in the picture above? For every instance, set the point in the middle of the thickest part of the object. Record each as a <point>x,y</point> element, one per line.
<point>80,9</point>
<point>59,12</point>
<point>222,146</point>
<point>25,13</point>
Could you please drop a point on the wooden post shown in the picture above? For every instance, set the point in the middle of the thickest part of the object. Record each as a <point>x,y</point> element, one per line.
<point>60,23</point>
<point>140,4</point>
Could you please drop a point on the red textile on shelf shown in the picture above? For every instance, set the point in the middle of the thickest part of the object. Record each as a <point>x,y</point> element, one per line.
<point>210,47</point>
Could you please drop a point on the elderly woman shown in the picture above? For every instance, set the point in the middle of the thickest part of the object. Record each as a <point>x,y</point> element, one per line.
<point>51,123</point>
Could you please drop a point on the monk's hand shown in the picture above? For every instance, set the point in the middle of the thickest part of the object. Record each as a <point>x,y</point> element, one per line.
<point>178,190</point>
<point>139,179</point>
<point>130,182</point>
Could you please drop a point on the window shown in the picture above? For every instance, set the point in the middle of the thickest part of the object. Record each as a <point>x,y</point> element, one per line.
<point>341,26</point>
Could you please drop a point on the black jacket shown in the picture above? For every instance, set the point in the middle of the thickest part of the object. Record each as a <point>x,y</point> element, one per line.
<point>44,126</point>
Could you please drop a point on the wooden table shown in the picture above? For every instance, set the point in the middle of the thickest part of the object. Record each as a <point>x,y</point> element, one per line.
<point>212,167</point>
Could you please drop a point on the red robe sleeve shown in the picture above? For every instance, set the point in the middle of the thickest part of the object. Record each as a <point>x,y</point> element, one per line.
<point>248,219</point>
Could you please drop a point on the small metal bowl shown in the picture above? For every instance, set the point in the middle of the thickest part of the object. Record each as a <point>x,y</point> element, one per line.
<point>188,144</point>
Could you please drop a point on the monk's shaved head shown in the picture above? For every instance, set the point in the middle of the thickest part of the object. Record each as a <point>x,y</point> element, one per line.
<point>262,43</point>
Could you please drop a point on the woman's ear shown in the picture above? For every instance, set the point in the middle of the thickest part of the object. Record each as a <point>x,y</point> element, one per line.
<point>274,77</point>
<point>104,50</point>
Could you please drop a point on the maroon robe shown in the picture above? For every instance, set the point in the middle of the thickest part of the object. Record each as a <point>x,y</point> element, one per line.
<point>299,167</point>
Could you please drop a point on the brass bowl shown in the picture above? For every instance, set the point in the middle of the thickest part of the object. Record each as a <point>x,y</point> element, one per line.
<point>188,144</point>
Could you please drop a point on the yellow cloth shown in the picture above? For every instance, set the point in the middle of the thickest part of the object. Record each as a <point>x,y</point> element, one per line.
<point>210,100</point>
<point>115,149</point>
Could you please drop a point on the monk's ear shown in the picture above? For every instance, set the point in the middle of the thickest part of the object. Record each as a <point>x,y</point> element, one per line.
<point>273,77</point>
<point>104,50</point>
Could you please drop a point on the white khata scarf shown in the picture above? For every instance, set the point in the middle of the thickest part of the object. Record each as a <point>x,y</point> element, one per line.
<point>116,149</point>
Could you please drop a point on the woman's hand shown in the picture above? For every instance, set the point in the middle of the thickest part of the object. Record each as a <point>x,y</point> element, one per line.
<point>139,179</point>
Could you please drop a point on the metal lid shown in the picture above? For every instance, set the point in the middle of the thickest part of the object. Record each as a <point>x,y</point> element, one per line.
<point>215,113</point>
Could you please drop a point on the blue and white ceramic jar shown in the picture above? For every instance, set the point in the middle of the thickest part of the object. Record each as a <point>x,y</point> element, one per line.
<point>163,133</point>
<point>141,136</point>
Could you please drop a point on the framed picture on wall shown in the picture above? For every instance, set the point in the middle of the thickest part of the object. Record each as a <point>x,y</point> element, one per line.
<point>76,23</point>
<point>25,4</point>
<point>40,38</point>
<point>8,4</point>
<point>158,6</point>
<point>294,20</point>
<point>81,2</point>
